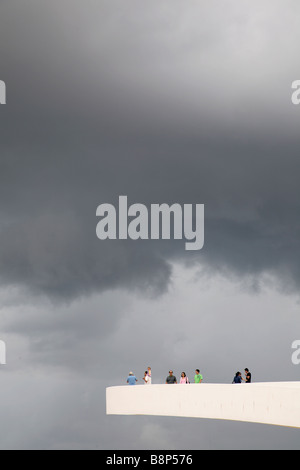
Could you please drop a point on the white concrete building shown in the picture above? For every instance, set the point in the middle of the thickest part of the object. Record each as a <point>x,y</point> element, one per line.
<point>276,403</point>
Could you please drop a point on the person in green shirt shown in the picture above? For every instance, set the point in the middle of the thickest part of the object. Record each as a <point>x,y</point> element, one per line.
<point>198,377</point>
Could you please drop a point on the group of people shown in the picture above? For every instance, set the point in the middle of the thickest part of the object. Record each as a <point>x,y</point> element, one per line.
<point>238,379</point>
<point>132,380</point>
<point>171,379</point>
<point>198,378</point>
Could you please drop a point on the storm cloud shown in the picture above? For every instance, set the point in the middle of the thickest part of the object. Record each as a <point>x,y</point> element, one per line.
<point>156,105</point>
<point>165,102</point>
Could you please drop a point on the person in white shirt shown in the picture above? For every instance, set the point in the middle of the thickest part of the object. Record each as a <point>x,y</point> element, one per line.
<point>146,378</point>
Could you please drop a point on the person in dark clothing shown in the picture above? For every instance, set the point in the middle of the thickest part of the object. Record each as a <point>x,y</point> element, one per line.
<point>171,379</point>
<point>238,378</point>
<point>248,376</point>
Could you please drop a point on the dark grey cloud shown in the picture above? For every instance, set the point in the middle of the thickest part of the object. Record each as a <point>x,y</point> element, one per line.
<point>116,100</point>
<point>61,358</point>
<point>48,233</point>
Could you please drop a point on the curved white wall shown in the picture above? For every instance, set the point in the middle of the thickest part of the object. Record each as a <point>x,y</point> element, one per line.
<point>270,403</point>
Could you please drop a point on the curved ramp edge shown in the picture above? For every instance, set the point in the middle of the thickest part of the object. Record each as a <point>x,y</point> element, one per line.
<point>275,403</point>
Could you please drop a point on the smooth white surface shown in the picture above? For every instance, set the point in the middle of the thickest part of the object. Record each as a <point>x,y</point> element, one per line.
<point>276,403</point>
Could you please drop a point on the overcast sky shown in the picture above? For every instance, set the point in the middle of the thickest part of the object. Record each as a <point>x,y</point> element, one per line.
<point>173,101</point>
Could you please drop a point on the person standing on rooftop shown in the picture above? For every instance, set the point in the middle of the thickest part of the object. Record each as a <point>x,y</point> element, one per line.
<point>171,379</point>
<point>248,376</point>
<point>184,379</point>
<point>198,377</point>
<point>238,378</point>
<point>131,379</point>
<point>149,375</point>
<point>146,378</point>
